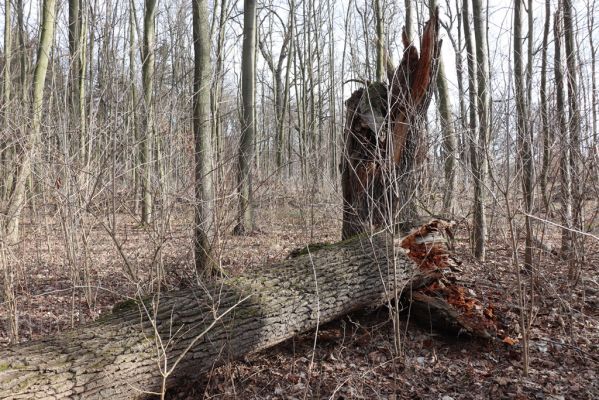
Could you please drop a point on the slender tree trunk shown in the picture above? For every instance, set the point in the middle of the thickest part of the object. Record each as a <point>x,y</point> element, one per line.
<point>202,135</point>
<point>380,41</point>
<point>574,112</point>
<point>133,100</point>
<point>245,223</point>
<point>409,26</point>
<point>146,161</point>
<point>565,166</point>
<point>545,108</point>
<point>448,132</point>
<point>481,172</point>
<point>217,91</point>
<point>524,140</point>
<point>5,146</point>
<point>594,90</point>
<point>74,41</point>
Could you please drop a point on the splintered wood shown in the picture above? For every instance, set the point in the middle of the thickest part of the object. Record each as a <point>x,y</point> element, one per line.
<point>441,298</point>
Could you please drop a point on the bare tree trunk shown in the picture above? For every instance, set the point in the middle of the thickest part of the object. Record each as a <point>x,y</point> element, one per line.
<point>5,146</point>
<point>574,113</point>
<point>449,138</point>
<point>245,223</point>
<point>545,108</point>
<point>524,139</point>
<point>380,41</point>
<point>482,166</point>
<point>409,26</point>
<point>594,90</point>
<point>146,160</point>
<point>202,136</point>
<point>565,166</point>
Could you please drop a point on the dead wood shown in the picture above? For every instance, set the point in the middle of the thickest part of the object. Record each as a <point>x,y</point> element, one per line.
<point>126,354</point>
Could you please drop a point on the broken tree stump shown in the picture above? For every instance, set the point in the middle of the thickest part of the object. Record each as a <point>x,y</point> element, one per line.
<point>188,332</point>
<point>383,135</point>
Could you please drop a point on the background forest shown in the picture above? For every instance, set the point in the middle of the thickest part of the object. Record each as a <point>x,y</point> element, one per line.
<point>148,146</point>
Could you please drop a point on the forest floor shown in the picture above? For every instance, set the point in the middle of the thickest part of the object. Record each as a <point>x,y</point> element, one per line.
<point>352,358</point>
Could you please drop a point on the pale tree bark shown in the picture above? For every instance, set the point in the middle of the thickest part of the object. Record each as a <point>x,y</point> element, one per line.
<point>6,266</point>
<point>202,131</point>
<point>573,112</point>
<point>409,27</point>
<point>565,166</point>
<point>245,222</point>
<point>574,143</point>
<point>74,41</point>
<point>133,100</point>
<point>483,108</point>
<point>146,160</point>
<point>523,134</point>
<point>448,132</point>
<point>216,93</point>
<point>545,108</point>
<point>380,41</point>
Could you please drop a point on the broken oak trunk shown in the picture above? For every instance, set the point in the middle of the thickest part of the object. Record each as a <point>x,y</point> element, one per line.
<point>185,333</point>
<point>383,146</point>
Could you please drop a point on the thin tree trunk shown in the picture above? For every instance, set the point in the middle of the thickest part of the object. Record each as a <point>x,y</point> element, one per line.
<point>565,166</point>
<point>380,41</point>
<point>481,171</point>
<point>574,113</point>
<point>245,222</point>
<point>545,109</point>
<point>409,26</point>
<point>202,135</point>
<point>5,146</point>
<point>523,128</point>
<point>146,161</point>
<point>449,138</point>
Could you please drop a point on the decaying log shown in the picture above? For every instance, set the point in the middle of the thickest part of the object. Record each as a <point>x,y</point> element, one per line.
<point>383,145</point>
<point>126,353</point>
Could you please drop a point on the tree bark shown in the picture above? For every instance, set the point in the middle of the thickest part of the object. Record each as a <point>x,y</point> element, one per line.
<point>383,139</point>
<point>565,165</point>
<point>482,162</point>
<point>523,128</point>
<point>202,131</point>
<point>145,346</point>
<point>545,108</point>
<point>146,162</point>
<point>245,223</point>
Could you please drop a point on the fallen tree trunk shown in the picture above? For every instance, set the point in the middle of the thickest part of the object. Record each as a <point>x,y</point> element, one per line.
<point>146,346</point>
<point>128,352</point>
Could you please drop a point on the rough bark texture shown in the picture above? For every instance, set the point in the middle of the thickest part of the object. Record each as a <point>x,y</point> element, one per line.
<point>383,138</point>
<point>126,353</point>
<point>121,356</point>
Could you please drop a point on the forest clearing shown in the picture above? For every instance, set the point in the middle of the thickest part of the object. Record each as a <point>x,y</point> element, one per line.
<point>299,199</point>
